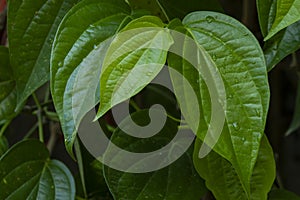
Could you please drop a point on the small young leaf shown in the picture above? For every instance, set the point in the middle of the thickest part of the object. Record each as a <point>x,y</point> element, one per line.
<point>177,181</point>
<point>26,172</point>
<point>287,13</point>
<point>76,51</point>
<point>8,97</point>
<point>31,28</point>
<point>221,177</point>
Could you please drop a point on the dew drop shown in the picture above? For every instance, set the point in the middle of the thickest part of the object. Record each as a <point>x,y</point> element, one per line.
<point>243,139</point>
<point>4,180</point>
<point>210,19</point>
<point>149,73</point>
<point>95,46</point>
<point>236,126</point>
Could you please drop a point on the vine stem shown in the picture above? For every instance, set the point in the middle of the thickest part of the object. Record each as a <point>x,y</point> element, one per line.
<point>80,166</point>
<point>163,10</point>
<point>39,117</point>
<point>4,127</point>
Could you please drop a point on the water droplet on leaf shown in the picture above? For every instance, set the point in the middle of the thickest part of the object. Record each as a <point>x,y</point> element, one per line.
<point>236,126</point>
<point>210,19</point>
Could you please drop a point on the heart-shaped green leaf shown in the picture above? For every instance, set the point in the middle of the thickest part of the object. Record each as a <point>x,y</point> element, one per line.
<point>136,56</point>
<point>217,46</point>
<point>77,57</point>
<point>31,28</point>
<point>287,13</point>
<point>222,179</point>
<point>177,181</point>
<point>8,97</point>
<point>26,172</point>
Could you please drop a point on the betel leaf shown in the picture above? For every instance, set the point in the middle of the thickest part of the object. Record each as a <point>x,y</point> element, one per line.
<point>135,57</point>
<point>177,181</point>
<point>26,172</point>
<point>31,28</point>
<point>282,44</point>
<point>281,194</point>
<point>266,10</point>
<point>295,124</point>
<point>77,56</point>
<point>287,13</point>
<point>8,97</point>
<point>243,72</point>
<point>222,179</point>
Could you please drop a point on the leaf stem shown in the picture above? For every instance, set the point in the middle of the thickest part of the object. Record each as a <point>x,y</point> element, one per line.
<point>134,105</point>
<point>39,117</point>
<point>163,10</point>
<point>4,127</point>
<point>31,131</point>
<point>80,166</point>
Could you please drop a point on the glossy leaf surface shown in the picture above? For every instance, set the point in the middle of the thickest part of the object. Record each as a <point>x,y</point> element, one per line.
<point>76,60</point>
<point>244,76</point>
<point>27,172</point>
<point>31,29</point>
<point>287,13</point>
<point>222,179</point>
<point>133,60</point>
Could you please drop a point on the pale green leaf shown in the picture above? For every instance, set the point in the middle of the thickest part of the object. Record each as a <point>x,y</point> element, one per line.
<point>222,179</point>
<point>26,172</point>
<point>133,60</point>
<point>287,13</point>
<point>77,57</point>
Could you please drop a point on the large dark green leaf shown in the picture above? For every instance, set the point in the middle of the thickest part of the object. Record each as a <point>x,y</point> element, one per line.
<point>280,194</point>
<point>26,172</point>
<point>287,13</point>
<point>8,97</point>
<point>222,179</point>
<point>31,28</point>
<point>178,181</point>
<point>226,45</point>
<point>77,57</point>
<point>133,60</point>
